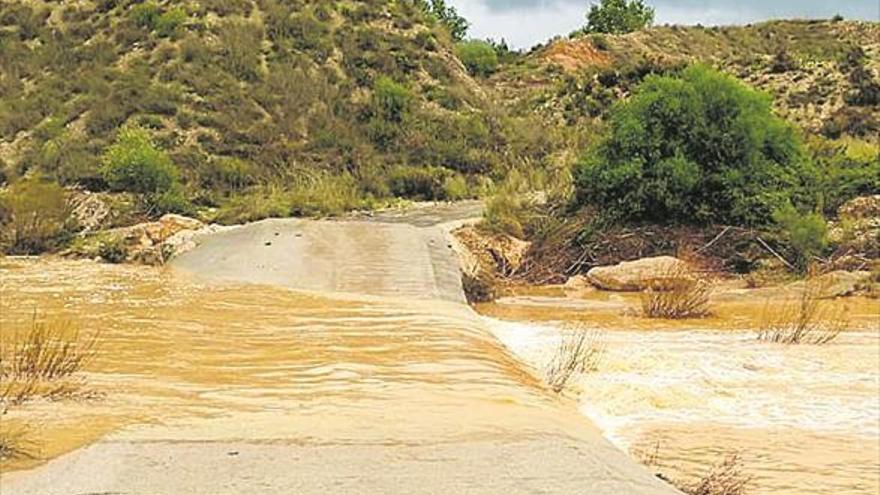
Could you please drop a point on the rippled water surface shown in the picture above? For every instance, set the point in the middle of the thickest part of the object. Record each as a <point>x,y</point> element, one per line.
<point>804,419</point>
<point>251,362</point>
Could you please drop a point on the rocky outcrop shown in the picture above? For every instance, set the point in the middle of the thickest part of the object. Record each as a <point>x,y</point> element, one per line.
<point>500,253</point>
<point>150,243</point>
<point>636,275</point>
<point>88,210</point>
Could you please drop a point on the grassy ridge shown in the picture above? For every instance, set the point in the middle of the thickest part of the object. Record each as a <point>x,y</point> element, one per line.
<point>254,95</point>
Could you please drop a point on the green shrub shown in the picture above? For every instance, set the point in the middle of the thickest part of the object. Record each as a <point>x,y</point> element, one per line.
<point>424,183</point>
<point>846,169</point>
<point>145,14</point>
<point>619,16</point>
<point>479,57</point>
<point>241,48</point>
<point>697,148</point>
<point>134,164</point>
<point>456,188</point>
<point>806,234</point>
<point>391,100</point>
<point>34,215</point>
<point>168,24</point>
<point>600,42</point>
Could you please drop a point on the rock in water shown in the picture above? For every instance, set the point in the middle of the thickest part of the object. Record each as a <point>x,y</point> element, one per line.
<point>631,276</point>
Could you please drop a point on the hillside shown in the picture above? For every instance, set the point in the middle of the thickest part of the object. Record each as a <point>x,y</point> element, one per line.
<point>816,71</point>
<point>266,107</point>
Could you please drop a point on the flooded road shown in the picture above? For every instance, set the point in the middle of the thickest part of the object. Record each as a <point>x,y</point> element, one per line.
<point>803,419</point>
<point>233,387</point>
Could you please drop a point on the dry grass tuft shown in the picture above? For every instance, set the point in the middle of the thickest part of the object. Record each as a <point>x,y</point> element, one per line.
<point>579,351</point>
<point>806,320</point>
<point>42,360</point>
<point>14,444</point>
<point>724,478</point>
<point>682,294</point>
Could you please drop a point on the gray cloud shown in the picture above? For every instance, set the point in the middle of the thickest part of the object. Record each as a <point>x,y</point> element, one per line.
<point>527,22</point>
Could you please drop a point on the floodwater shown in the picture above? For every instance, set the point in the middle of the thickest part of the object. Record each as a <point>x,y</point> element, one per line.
<point>802,419</point>
<point>251,363</point>
<point>355,365</point>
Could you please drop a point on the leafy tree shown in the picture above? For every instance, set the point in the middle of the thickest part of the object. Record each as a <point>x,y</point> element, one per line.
<point>619,16</point>
<point>448,16</point>
<point>695,148</point>
<point>480,57</point>
<point>135,165</point>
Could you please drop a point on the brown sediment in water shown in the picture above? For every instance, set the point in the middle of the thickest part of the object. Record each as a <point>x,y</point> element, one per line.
<point>731,308</point>
<point>802,418</point>
<point>197,375</point>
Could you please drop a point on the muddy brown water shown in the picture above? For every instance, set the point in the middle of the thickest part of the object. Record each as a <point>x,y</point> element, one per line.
<point>273,375</point>
<point>803,419</point>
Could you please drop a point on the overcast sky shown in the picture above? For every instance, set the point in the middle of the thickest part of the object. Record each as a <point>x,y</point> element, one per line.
<point>523,23</point>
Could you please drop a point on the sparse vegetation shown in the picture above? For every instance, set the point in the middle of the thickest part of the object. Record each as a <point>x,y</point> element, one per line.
<point>43,361</point>
<point>34,216</point>
<point>682,294</point>
<point>807,319</point>
<point>579,351</point>
<point>724,478</point>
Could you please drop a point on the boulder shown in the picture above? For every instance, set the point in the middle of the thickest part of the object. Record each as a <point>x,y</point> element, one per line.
<point>494,252</point>
<point>638,275</point>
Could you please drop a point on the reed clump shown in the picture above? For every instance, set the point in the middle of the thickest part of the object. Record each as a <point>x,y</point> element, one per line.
<point>43,360</point>
<point>726,477</point>
<point>681,293</point>
<point>579,351</point>
<point>806,319</point>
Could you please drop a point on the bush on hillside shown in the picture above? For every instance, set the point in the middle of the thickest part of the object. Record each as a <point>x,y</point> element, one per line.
<point>479,57</point>
<point>391,100</point>
<point>168,24</point>
<point>619,16</point>
<point>805,234</point>
<point>134,164</point>
<point>695,148</point>
<point>846,169</point>
<point>33,216</point>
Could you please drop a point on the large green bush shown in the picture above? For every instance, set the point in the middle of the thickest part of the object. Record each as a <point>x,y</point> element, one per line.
<point>134,164</point>
<point>695,148</point>
<point>479,57</point>
<point>619,16</point>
